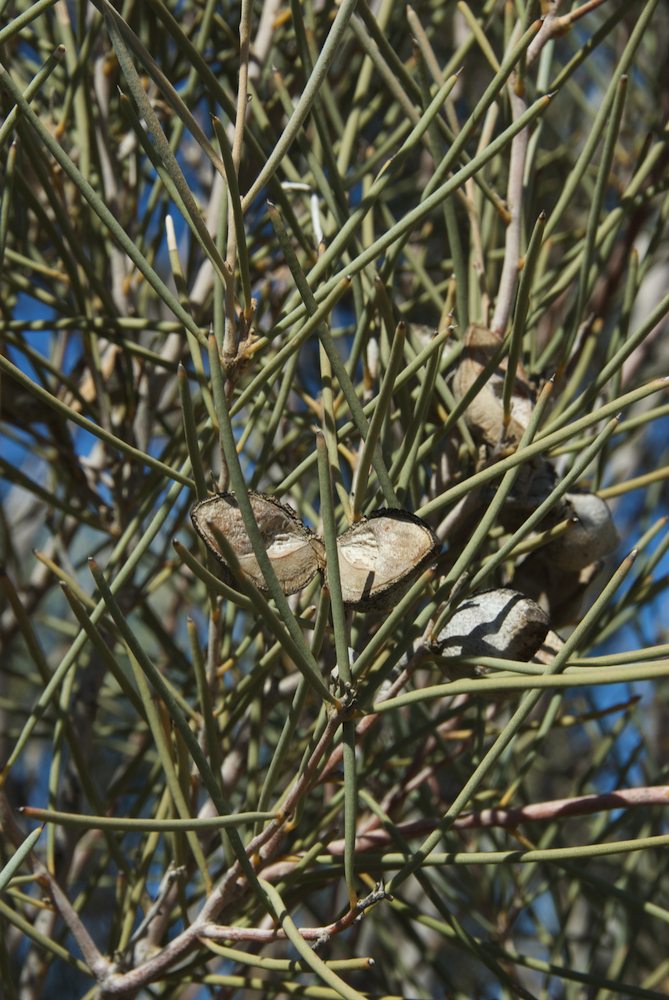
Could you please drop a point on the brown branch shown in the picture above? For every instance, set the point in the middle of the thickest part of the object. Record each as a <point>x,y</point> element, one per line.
<point>551,26</point>
<point>261,935</point>
<point>231,886</point>
<point>545,812</point>
<point>97,963</point>
<point>514,199</point>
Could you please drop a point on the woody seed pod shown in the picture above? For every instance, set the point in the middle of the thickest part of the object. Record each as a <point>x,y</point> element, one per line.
<point>501,623</point>
<point>592,536</point>
<point>295,553</point>
<point>485,413</point>
<point>381,555</point>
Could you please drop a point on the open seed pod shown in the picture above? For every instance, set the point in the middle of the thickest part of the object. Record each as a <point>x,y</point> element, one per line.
<point>485,413</point>
<point>381,556</point>
<point>295,553</point>
<point>502,623</point>
<point>592,536</point>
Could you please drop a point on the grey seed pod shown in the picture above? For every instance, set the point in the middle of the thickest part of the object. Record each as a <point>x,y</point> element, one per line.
<point>381,555</point>
<point>296,554</point>
<point>592,536</point>
<point>502,623</point>
<point>485,413</point>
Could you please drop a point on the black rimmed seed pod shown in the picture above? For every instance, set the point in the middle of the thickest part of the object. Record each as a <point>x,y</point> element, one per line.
<point>296,554</point>
<point>381,555</point>
<point>500,623</point>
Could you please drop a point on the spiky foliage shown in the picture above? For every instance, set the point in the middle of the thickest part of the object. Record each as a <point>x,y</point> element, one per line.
<point>335,255</point>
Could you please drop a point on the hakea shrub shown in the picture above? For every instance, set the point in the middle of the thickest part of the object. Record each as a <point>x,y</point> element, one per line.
<point>333,516</point>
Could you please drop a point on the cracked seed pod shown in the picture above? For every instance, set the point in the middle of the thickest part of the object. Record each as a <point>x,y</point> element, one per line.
<point>381,556</point>
<point>501,623</point>
<point>295,553</point>
<point>485,413</point>
<point>592,536</point>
